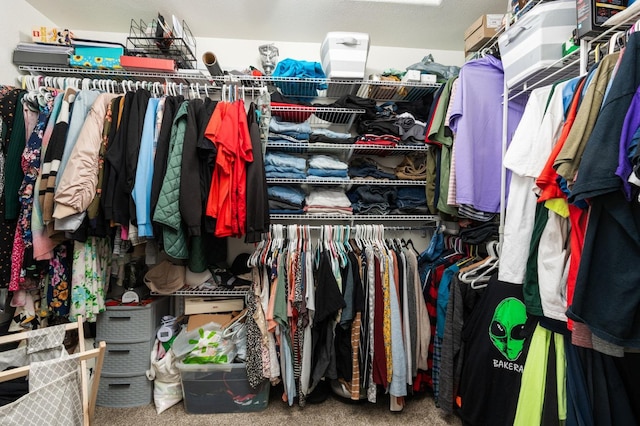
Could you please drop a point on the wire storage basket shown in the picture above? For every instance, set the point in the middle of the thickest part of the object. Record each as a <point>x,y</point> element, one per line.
<point>159,39</point>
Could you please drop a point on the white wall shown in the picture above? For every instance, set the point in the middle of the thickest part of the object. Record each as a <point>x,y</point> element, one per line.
<point>240,54</point>
<point>18,19</point>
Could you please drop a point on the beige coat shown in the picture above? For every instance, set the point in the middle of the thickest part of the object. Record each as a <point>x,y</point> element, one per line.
<point>77,186</point>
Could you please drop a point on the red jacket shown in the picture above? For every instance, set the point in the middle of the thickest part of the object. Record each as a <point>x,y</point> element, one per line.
<point>229,132</point>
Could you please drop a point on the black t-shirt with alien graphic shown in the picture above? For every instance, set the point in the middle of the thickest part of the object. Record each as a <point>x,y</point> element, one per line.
<point>495,343</point>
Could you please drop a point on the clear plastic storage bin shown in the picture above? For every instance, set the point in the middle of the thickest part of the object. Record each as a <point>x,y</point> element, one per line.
<point>220,388</point>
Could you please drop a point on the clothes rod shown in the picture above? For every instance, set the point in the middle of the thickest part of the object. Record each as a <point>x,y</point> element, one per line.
<point>157,86</point>
<point>385,228</point>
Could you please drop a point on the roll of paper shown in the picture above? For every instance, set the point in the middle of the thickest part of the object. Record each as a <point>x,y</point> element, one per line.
<point>211,62</point>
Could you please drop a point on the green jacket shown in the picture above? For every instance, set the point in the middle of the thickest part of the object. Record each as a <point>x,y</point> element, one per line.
<point>167,211</point>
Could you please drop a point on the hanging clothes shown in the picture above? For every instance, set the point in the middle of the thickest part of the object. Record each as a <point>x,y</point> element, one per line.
<point>495,338</point>
<point>144,170</point>
<point>30,164</point>
<point>227,198</point>
<point>12,123</point>
<point>478,102</point>
<point>90,276</point>
<point>167,211</point>
<point>112,191</point>
<point>257,200</point>
<point>610,215</point>
<point>42,245</point>
<point>77,183</point>
<point>52,158</point>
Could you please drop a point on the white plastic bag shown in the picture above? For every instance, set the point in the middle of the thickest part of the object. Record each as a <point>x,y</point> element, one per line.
<point>237,333</point>
<point>167,388</point>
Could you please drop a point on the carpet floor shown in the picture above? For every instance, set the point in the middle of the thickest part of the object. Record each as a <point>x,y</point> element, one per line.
<point>418,410</point>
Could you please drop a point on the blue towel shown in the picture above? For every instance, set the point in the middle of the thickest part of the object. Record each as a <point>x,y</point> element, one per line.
<point>299,69</point>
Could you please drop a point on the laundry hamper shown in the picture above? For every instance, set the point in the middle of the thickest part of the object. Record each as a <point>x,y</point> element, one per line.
<point>58,384</point>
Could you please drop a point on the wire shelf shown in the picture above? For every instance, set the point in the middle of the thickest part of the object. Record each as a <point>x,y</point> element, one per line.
<point>377,182</point>
<point>305,88</point>
<point>350,149</point>
<point>355,217</point>
<point>316,116</point>
<point>335,88</point>
<point>567,67</point>
<point>118,75</point>
<point>187,291</point>
<point>570,65</point>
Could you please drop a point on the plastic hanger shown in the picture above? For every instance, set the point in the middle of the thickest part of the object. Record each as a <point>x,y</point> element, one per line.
<point>481,280</point>
<point>267,247</point>
<point>347,241</point>
<point>339,242</point>
<point>478,274</point>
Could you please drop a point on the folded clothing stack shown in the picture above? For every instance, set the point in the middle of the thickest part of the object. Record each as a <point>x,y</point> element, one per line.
<point>411,131</point>
<point>284,166</point>
<point>328,201</point>
<point>380,140</point>
<point>286,131</point>
<point>285,199</point>
<point>372,200</point>
<point>326,167</point>
<point>412,200</point>
<point>329,136</point>
<point>412,167</point>
<point>369,168</point>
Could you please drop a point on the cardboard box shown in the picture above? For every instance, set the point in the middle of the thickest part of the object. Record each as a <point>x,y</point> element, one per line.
<point>51,35</point>
<point>211,305</point>
<point>199,320</point>
<point>481,31</point>
<point>591,14</point>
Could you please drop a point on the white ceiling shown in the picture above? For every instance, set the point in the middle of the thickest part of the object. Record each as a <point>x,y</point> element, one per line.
<point>387,24</point>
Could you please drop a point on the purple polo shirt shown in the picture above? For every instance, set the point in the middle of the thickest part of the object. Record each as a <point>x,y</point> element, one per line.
<point>629,127</point>
<point>476,120</point>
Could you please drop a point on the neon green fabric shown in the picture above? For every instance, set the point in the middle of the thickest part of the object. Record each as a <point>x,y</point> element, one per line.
<point>534,376</point>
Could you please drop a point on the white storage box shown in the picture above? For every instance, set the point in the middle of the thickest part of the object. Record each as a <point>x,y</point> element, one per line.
<point>344,55</point>
<point>535,41</point>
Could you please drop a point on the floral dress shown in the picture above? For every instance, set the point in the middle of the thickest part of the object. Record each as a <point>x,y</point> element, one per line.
<point>90,274</point>
<point>58,290</point>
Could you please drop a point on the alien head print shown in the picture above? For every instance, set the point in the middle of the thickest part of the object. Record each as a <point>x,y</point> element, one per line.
<point>506,329</point>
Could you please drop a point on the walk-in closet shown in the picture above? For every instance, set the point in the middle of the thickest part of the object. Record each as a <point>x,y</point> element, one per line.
<point>347,211</point>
